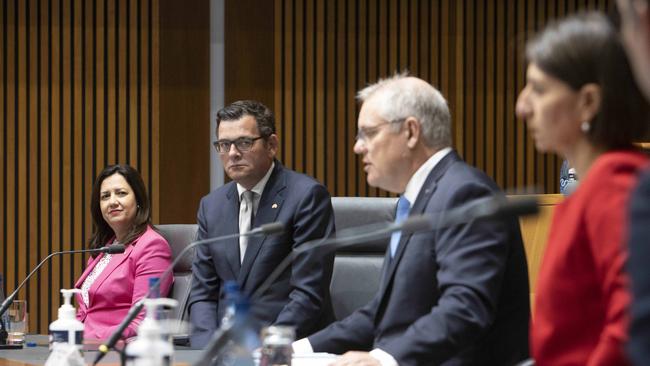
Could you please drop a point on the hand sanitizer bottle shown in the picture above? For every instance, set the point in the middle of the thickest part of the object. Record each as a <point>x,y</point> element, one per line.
<point>67,329</point>
<point>149,349</point>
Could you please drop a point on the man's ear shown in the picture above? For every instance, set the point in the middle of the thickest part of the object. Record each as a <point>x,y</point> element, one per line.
<point>273,142</point>
<point>413,131</point>
<point>590,97</point>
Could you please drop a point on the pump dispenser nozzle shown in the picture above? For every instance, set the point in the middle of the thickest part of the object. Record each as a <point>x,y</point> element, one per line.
<point>149,325</point>
<point>149,348</point>
<point>67,311</point>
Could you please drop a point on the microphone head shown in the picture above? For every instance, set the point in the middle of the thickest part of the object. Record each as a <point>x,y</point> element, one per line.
<point>272,228</point>
<point>114,249</point>
<point>416,223</point>
<point>518,207</point>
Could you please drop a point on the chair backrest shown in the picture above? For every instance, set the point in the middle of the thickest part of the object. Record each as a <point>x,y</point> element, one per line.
<point>180,236</point>
<point>357,269</point>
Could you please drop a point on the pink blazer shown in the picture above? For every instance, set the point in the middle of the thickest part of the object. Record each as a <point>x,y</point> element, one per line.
<point>123,282</point>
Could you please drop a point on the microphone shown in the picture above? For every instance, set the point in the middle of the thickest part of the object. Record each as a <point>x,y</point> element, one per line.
<point>112,249</point>
<point>267,229</point>
<point>493,207</point>
<point>483,208</point>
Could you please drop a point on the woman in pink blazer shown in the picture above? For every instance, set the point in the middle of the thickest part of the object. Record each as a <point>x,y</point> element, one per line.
<point>112,283</point>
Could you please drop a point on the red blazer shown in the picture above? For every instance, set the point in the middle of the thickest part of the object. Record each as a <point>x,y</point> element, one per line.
<point>582,297</point>
<point>123,282</point>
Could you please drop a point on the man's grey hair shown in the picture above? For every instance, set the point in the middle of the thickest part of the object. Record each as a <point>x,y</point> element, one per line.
<point>398,98</point>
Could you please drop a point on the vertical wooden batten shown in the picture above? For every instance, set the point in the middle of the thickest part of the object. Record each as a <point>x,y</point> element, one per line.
<point>324,52</point>
<point>181,139</point>
<point>80,90</point>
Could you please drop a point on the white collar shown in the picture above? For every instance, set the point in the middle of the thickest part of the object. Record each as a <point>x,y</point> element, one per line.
<point>416,182</point>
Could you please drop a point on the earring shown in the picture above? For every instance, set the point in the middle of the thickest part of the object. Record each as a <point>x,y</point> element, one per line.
<point>585,126</point>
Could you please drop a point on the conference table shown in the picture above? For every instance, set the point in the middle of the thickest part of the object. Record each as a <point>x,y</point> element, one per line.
<point>183,356</point>
<point>33,356</point>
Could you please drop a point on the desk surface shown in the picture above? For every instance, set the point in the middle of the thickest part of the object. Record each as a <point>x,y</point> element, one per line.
<point>34,356</point>
<point>12,363</point>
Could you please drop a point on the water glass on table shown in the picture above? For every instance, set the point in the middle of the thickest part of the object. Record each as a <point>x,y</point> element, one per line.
<point>16,320</point>
<point>276,345</point>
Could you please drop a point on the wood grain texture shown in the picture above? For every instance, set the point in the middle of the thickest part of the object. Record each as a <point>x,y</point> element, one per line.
<point>534,231</point>
<point>324,52</point>
<point>80,86</point>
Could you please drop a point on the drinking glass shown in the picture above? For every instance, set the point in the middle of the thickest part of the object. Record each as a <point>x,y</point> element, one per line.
<point>17,322</point>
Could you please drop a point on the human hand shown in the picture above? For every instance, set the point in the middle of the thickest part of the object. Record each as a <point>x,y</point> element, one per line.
<point>356,358</point>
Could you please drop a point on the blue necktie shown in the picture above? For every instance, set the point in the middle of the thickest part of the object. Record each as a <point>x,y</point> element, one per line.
<point>403,206</point>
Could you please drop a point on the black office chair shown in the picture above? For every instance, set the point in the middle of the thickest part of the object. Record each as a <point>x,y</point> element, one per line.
<point>357,269</point>
<point>180,236</point>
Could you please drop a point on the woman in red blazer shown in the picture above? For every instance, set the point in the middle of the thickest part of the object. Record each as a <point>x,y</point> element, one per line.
<point>580,101</point>
<point>112,283</point>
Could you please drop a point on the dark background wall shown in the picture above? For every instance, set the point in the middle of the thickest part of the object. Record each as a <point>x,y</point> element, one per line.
<point>324,51</point>
<point>87,83</point>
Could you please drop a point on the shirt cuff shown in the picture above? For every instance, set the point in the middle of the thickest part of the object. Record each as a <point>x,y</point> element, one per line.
<point>384,358</point>
<point>302,346</point>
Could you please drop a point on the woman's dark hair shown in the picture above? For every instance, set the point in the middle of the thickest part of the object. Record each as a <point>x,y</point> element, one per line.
<point>585,49</point>
<point>102,232</point>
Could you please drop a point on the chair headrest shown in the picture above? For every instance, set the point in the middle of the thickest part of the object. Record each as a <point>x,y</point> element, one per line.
<point>351,212</point>
<point>180,236</point>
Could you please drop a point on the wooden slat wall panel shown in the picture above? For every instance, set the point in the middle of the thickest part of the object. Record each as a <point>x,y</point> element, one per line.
<point>472,50</point>
<point>181,102</point>
<point>77,94</point>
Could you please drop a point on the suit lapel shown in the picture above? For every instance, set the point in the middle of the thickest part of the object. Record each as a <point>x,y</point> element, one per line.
<point>115,262</point>
<point>231,218</point>
<point>82,305</point>
<point>267,212</point>
<point>418,207</point>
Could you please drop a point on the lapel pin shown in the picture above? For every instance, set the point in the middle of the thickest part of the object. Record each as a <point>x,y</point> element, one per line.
<point>275,205</point>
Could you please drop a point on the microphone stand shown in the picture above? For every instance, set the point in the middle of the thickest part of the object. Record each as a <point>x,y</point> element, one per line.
<point>115,248</point>
<point>487,207</point>
<point>268,229</point>
<point>343,239</point>
<point>3,331</point>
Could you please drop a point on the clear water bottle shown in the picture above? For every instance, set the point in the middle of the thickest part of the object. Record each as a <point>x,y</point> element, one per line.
<point>243,338</point>
<point>231,291</point>
<point>162,314</point>
<point>154,293</point>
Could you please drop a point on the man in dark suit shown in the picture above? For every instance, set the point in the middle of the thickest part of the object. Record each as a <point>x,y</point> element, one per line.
<point>262,191</point>
<point>635,31</point>
<point>453,296</point>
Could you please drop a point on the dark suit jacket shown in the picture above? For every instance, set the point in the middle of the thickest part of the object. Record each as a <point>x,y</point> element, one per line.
<point>300,296</point>
<point>454,296</point>
<point>639,257</point>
